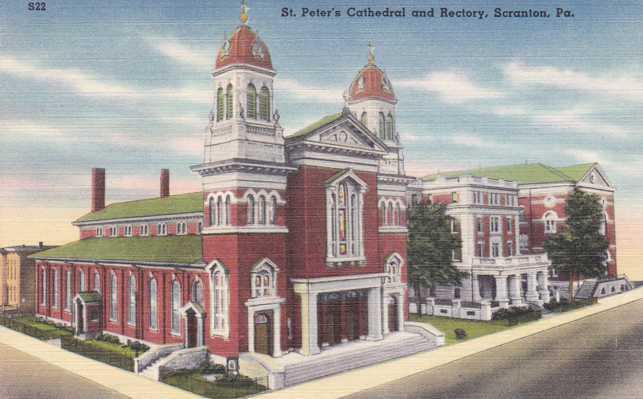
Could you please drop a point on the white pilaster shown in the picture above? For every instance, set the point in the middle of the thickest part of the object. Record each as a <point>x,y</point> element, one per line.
<point>400,312</point>
<point>276,341</point>
<point>309,324</point>
<point>476,288</point>
<point>374,314</point>
<point>387,302</point>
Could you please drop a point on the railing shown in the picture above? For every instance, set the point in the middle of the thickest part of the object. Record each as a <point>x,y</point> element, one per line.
<point>518,260</point>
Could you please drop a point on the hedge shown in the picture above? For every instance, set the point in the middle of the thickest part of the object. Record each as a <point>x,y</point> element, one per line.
<point>515,315</point>
<point>87,349</point>
<point>36,329</point>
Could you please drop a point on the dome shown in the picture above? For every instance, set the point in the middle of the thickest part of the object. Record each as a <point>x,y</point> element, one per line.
<point>244,47</point>
<point>371,83</point>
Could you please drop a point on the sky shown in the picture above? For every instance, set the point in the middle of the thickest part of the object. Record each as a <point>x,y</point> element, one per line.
<point>126,85</point>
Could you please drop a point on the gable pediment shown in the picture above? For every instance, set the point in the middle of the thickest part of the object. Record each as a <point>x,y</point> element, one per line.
<point>596,177</point>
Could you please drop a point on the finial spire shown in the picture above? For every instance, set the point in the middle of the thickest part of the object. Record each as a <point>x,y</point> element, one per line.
<point>371,54</point>
<point>244,12</point>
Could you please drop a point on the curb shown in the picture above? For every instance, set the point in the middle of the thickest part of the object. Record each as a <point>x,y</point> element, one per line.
<point>121,381</point>
<point>351,382</point>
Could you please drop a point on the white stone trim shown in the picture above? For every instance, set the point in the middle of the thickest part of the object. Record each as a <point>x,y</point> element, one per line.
<point>200,340</point>
<point>212,268</point>
<point>249,229</point>
<point>261,304</point>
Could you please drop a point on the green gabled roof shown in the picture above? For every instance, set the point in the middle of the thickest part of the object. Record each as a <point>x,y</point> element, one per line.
<point>166,249</point>
<point>314,126</point>
<point>522,173</point>
<point>174,204</point>
<point>577,172</point>
<point>89,296</point>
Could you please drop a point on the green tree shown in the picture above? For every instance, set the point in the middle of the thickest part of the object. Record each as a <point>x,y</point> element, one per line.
<point>430,250</point>
<point>580,248</point>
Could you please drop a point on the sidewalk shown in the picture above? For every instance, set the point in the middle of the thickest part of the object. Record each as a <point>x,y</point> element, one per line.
<point>357,380</point>
<point>121,381</point>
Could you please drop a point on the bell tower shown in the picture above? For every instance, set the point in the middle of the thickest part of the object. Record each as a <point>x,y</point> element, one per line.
<point>243,123</point>
<point>372,100</point>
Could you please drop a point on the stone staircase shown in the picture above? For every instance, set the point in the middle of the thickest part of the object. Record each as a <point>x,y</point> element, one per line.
<point>328,365</point>
<point>586,291</point>
<point>153,370</point>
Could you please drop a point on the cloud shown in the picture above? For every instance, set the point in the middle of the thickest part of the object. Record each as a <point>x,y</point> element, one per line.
<point>308,92</point>
<point>619,85</point>
<point>90,85</point>
<point>622,164</point>
<point>579,119</point>
<point>452,87</point>
<point>182,53</point>
<point>468,140</point>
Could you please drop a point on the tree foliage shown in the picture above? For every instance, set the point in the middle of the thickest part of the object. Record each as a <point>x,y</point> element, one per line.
<point>430,249</point>
<point>580,248</point>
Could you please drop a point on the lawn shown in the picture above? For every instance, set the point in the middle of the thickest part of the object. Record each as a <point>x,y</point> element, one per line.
<point>108,346</point>
<point>42,330</point>
<point>221,389</point>
<point>473,328</point>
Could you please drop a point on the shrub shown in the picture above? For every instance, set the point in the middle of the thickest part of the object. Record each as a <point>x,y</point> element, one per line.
<point>460,333</point>
<point>108,338</point>
<point>517,314</point>
<point>213,369</point>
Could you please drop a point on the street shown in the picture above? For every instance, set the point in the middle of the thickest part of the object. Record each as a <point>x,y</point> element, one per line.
<point>600,356</point>
<point>25,377</point>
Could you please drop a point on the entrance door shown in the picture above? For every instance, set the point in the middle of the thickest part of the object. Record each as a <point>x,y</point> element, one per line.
<point>392,314</point>
<point>80,320</point>
<point>192,326</point>
<point>263,333</point>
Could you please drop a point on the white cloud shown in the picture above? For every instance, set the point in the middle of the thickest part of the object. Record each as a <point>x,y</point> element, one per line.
<point>452,87</point>
<point>624,165</point>
<point>90,85</point>
<point>614,84</point>
<point>578,119</point>
<point>309,92</point>
<point>182,53</point>
<point>469,140</point>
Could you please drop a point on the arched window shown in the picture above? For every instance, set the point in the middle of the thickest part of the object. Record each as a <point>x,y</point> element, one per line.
<point>154,313</point>
<point>220,300</point>
<point>176,306</point>
<point>197,292</point>
<point>113,303</point>
<point>389,213</point>
<point>56,288</point>
<point>96,281</point>
<point>43,285</point>
<point>273,210</point>
<point>382,125</point>
<point>131,314</point>
<point>396,215</point>
<point>393,269</point>
<point>382,214</point>
<point>219,220</point>
<point>251,209</point>
<point>220,104</point>
<point>228,211</point>
<point>344,218</point>
<point>390,127</point>
<point>229,96</point>
<point>262,209</point>
<point>213,211</point>
<point>251,102</point>
<point>263,280</point>
<point>550,222</point>
<point>603,227</point>
<point>81,280</point>
<point>68,290</point>
<point>364,118</point>
<point>264,104</point>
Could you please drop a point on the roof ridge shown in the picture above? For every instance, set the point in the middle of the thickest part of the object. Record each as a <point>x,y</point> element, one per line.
<point>150,198</point>
<point>557,171</point>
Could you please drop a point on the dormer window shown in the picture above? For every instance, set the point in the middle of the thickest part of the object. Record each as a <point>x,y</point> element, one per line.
<point>144,230</point>
<point>181,228</point>
<point>113,231</point>
<point>128,230</point>
<point>344,212</point>
<point>99,231</point>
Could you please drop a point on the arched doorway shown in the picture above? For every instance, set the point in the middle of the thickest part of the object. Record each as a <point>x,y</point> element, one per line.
<point>192,328</point>
<point>263,332</point>
<point>392,314</point>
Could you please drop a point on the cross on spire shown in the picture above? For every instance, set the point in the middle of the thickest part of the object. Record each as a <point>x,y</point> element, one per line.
<point>371,54</point>
<point>244,12</point>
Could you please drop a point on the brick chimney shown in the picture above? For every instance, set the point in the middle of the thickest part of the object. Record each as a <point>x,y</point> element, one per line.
<point>98,189</point>
<point>165,183</point>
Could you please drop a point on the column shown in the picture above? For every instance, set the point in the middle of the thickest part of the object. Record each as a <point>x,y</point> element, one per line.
<point>514,289</point>
<point>400,312</point>
<point>374,314</point>
<point>542,286</point>
<point>501,290</point>
<point>517,235</point>
<point>251,330</point>
<point>309,323</point>
<point>532,293</point>
<point>276,337</point>
<point>386,302</point>
<point>476,288</point>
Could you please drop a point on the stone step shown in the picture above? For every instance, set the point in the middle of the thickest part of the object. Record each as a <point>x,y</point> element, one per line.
<point>298,373</point>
